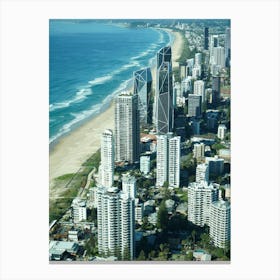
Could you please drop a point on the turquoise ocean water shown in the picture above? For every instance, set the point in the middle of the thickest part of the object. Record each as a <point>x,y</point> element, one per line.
<point>91,62</point>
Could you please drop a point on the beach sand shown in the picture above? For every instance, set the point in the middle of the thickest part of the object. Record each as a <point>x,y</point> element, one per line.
<point>72,150</point>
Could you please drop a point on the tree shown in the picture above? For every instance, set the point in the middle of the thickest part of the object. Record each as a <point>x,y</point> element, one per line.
<point>162,217</point>
<point>193,236</point>
<point>205,240</point>
<point>141,256</point>
<point>126,254</point>
<point>188,256</point>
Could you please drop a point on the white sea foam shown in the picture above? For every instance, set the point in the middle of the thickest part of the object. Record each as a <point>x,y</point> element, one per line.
<point>100,80</point>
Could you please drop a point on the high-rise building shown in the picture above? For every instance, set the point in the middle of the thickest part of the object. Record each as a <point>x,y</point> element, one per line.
<point>143,88</point>
<point>164,116</point>
<point>194,105</point>
<point>227,46</point>
<point>198,151</point>
<point>198,89</point>
<point>129,185</point>
<point>183,70</point>
<point>168,160</point>
<point>202,173</point>
<point>216,165</point>
<point>221,131</point>
<point>186,86</point>
<point>200,197</point>
<point>162,159</point>
<point>174,155</point>
<point>206,38</point>
<point>145,164</point>
<point>220,223</point>
<point>127,130</point>
<point>79,210</point>
<point>197,58</point>
<point>107,159</point>
<point>116,223</point>
<point>216,87</point>
<point>218,57</point>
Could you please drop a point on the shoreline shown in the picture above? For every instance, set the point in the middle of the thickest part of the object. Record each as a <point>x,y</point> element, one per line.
<point>73,149</point>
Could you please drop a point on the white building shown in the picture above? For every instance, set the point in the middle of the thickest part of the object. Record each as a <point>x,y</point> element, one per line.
<point>168,160</point>
<point>139,211</point>
<point>221,131</point>
<point>107,159</point>
<point>198,151</point>
<point>79,210</point>
<point>197,58</point>
<point>200,197</point>
<point>196,71</point>
<point>220,223</point>
<point>162,159</point>
<point>198,89</point>
<point>129,185</point>
<point>145,164</point>
<point>202,173</point>
<point>116,223</point>
<point>174,155</point>
<point>127,128</point>
<point>218,57</point>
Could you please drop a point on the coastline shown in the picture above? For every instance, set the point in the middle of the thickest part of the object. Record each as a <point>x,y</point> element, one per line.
<point>75,148</point>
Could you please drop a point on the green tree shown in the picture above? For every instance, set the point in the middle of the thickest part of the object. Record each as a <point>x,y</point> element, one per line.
<point>193,235</point>
<point>188,256</point>
<point>126,254</point>
<point>205,240</point>
<point>162,217</point>
<point>141,256</point>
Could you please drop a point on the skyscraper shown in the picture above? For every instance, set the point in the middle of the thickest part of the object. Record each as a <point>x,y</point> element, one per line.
<point>220,223</point>
<point>164,92</point>
<point>200,197</point>
<point>116,222</point>
<point>194,105</point>
<point>216,95</point>
<point>218,57</point>
<point>127,130</point>
<point>198,89</point>
<point>162,159</point>
<point>143,88</point>
<point>198,151</point>
<point>174,154</point>
<point>206,38</point>
<point>107,159</point>
<point>168,160</point>
<point>227,46</point>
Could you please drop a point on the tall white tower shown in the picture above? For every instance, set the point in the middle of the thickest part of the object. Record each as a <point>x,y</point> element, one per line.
<point>198,89</point>
<point>162,159</point>
<point>107,159</point>
<point>174,155</point>
<point>127,128</point>
<point>220,223</point>
<point>116,220</point>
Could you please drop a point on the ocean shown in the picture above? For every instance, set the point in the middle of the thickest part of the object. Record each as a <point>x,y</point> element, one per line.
<point>90,62</point>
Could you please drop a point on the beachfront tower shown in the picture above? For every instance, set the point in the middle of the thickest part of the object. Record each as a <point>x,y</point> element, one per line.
<point>116,220</point>
<point>164,92</point>
<point>107,159</point>
<point>127,130</point>
<point>143,88</point>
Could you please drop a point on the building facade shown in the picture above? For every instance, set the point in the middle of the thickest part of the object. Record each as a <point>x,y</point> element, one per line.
<point>221,131</point>
<point>116,223</point>
<point>143,88</point>
<point>145,164</point>
<point>168,160</point>
<point>199,89</point>
<point>220,223</point>
<point>200,197</point>
<point>107,159</point>
<point>194,105</point>
<point>202,173</point>
<point>164,113</point>
<point>127,128</point>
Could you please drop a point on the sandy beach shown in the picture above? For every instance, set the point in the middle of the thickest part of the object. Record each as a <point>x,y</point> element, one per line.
<point>72,150</point>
